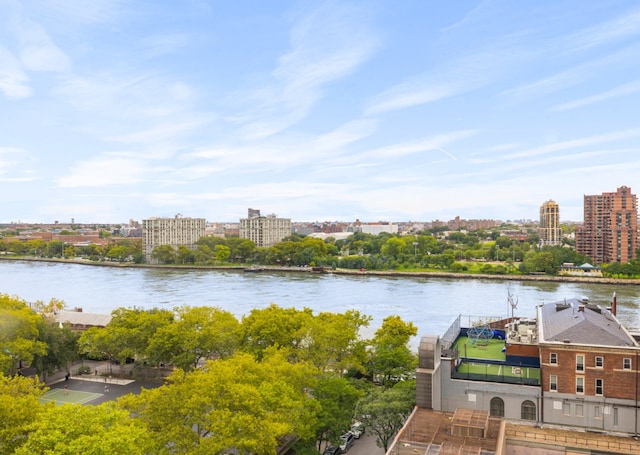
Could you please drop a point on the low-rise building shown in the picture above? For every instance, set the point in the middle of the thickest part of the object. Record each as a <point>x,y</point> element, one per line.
<point>573,365</point>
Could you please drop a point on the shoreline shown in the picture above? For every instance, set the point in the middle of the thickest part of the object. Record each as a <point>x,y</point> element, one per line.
<point>282,269</point>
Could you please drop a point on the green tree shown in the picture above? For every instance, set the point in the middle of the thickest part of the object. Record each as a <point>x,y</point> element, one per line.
<point>35,247</point>
<point>394,247</point>
<point>236,403</point>
<point>221,253</point>
<point>332,341</point>
<point>69,251</point>
<point>203,254</point>
<point>164,254</point>
<point>274,327</point>
<point>61,347</point>
<point>384,411</point>
<point>241,249</point>
<point>118,253</point>
<point>55,248</point>
<point>185,255</point>
<point>128,334</point>
<point>197,333</point>
<point>19,332</point>
<point>335,395</point>
<point>93,430</point>
<point>19,408</point>
<point>391,356</point>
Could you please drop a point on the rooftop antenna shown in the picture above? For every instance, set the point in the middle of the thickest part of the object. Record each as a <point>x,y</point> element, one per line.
<point>512,303</point>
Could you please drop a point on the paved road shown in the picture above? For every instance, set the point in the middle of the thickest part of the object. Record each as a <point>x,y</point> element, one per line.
<point>366,445</point>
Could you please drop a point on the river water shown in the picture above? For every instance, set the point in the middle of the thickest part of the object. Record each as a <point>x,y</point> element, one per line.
<point>430,303</point>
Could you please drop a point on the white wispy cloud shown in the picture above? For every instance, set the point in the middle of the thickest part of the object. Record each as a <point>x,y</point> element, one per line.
<point>98,91</point>
<point>156,45</point>
<point>575,75</point>
<point>105,171</point>
<point>622,90</point>
<point>288,150</point>
<point>345,134</point>
<point>559,146</point>
<point>14,83</point>
<point>38,52</point>
<point>16,164</point>
<point>326,45</point>
<point>158,133</point>
<point>80,11</point>
<point>624,26</point>
<point>458,76</point>
<point>275,191</point>
<point>468,17</point>
<point>435,143</point>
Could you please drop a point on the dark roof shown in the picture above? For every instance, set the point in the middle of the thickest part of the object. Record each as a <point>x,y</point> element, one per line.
<point>579,322</point>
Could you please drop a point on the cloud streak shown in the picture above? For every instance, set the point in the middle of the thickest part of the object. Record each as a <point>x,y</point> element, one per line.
<point>623,90</point>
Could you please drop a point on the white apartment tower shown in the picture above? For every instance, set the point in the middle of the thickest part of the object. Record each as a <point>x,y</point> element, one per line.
<point>264,231</point>
<point>550,231</point>
<point>171,231</point>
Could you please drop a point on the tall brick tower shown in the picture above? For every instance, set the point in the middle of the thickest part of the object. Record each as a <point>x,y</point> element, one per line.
<point>610,229</point>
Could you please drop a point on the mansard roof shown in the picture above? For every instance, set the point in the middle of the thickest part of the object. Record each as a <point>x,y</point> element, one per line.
<point>579,322</point>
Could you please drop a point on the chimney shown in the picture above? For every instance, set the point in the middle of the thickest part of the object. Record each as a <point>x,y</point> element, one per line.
<point>613,304</point>
<point>581,308</point>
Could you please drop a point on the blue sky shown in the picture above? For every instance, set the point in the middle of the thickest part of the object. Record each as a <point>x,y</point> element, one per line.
<point>377,110</point>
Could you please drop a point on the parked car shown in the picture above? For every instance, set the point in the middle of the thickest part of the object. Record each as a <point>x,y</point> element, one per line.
<point>347,441</point>
<point>332,450</point>
<point>357,429</point>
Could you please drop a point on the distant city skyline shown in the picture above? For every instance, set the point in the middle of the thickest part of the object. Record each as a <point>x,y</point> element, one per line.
<point>315,111</point>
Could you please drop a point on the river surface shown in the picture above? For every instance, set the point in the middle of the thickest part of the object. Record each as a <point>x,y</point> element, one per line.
<point>430,303</point>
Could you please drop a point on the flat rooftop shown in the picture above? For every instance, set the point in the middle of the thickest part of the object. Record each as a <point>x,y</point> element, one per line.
<point>575,439</point>
<point>429,432</point>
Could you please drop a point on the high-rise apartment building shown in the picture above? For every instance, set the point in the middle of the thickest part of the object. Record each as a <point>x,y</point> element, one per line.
<point>610,229</point>
<point>171,231</point>
<point>550,231</point>
<point>264,231</point>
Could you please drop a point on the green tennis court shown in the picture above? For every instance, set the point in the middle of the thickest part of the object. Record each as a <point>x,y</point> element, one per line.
<point>489,349</point>
<point>73,397</point>
<point>499,370</point>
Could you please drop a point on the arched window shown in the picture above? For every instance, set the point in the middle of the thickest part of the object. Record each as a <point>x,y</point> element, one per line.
<point>528,410</point>
<point>496,407</point>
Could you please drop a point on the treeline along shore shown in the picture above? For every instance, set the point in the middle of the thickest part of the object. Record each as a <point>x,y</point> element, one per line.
<point>285,269</point>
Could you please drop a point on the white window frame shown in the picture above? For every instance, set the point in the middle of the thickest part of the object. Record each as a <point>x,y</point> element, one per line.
<point>553,358</point>
<point>601,359</point>
<point>579,384</point>
<point>580,365</point>
<point>553,383</point>
<point>626,363</point>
